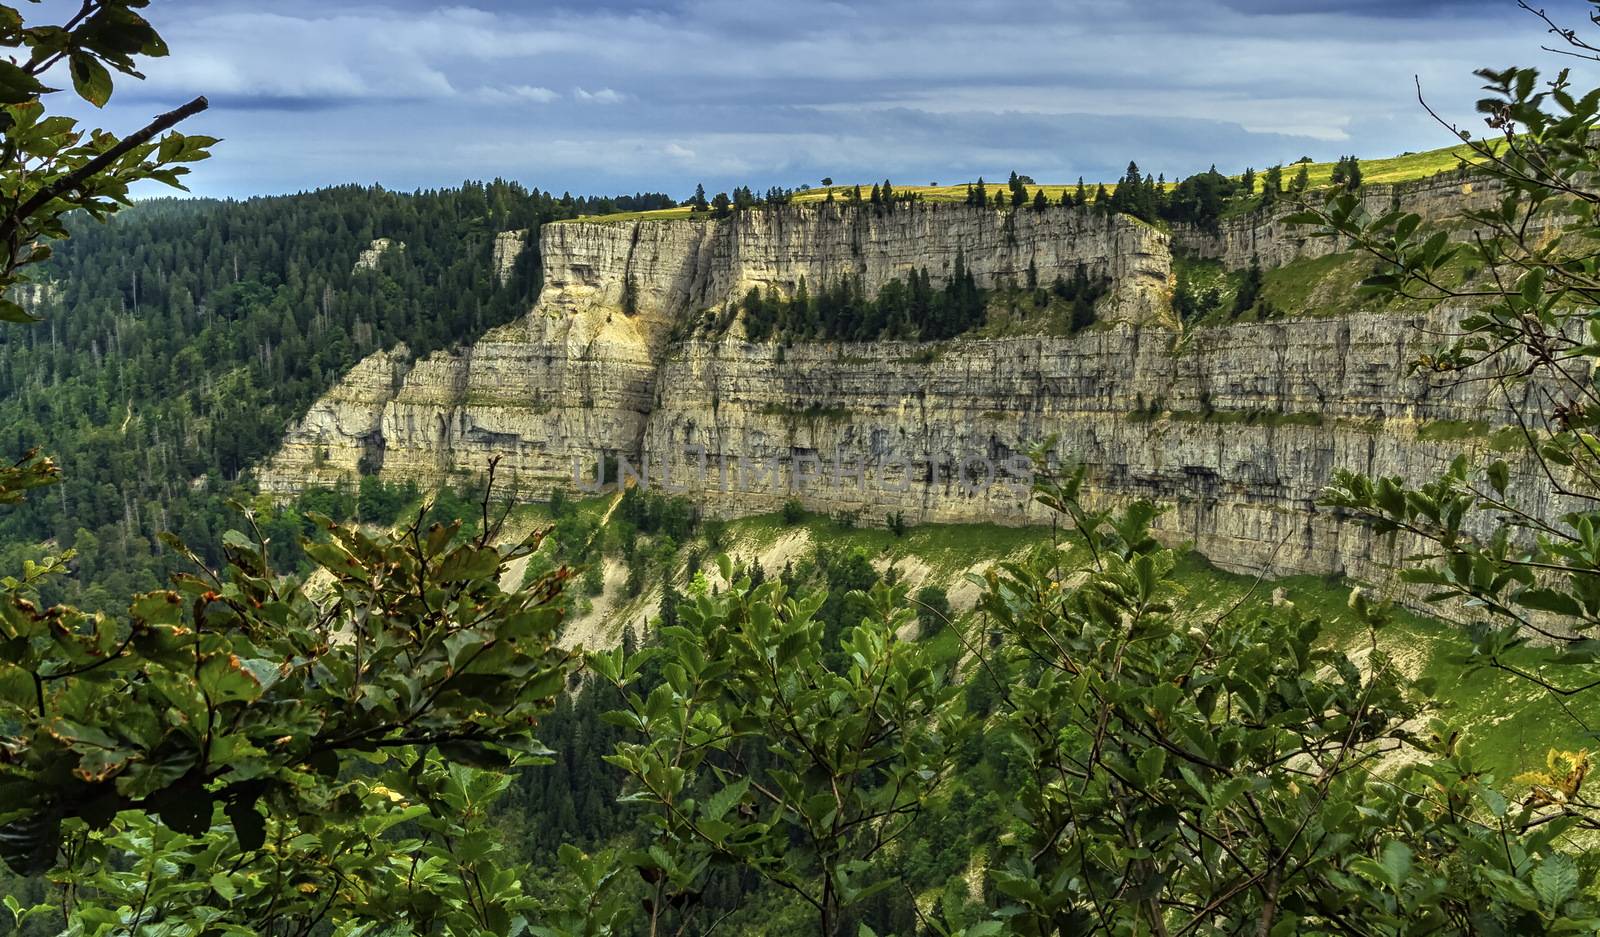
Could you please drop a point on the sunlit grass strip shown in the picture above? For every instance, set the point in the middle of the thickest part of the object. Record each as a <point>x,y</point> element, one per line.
<point>1407,167</point>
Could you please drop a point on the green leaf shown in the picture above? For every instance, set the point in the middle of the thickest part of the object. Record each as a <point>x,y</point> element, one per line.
<point>1396,862</point>
<point>248,824</point>
<point>90,79</point>
<point>238,541</point>
<point>1151,763</point>
<point>11,312</point>
<point>1555,880</point>
<point>469,563</point>
<point>144,778</point>
<point>158,608</point>
<point>101,764</point>
<point>28,844</point>
<point>1499,476</point>
<point>475,754</point>
<point>462,644</point>
<point>717,805</point>
<point>1494,800</point>
<point>184,808</point>
<point>1549,600</point>
<point>1406,226</point>
<point>16,85</point>
<point>225,679</point>
<point>78,737</point>
<point>1581,651</point>
<point>1532,285</point>
<point>117,30</point>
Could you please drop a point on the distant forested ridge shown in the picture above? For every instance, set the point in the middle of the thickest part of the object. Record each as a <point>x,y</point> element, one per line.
<point>184,335</point>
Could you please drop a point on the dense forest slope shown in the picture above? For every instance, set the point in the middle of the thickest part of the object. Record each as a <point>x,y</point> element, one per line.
<point>182,336</point>
<point>1235,419</point>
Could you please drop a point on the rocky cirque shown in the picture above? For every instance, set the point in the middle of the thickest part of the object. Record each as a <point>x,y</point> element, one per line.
<point>1234,428</point>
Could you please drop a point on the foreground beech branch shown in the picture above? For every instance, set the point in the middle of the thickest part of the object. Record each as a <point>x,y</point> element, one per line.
<point>99,164</point>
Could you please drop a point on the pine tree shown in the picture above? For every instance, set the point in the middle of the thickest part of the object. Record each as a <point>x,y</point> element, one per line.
<point>698,203</point>
<point>877,195</point>
<point>1137,195</point>
<point>1274,179</point>
<point>669,602</point>
<point>1347,173</point>
<point>1272,184</point>
<point>888,193</point>
<point>1040,202</point>
<point>1183,302</point>
<point>1083,314</point>
<point>1249,289</point>
<point>1248,181</point>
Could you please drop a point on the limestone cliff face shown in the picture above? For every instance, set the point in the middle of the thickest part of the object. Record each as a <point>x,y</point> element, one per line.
<point>372,255</point>
<point>579,376</point>
<point>1264,234</point>
<point>508,249</point>
<point>1236,428</point>
<point>539,393</point>
<point>674,268</point>
<point>342,432</point>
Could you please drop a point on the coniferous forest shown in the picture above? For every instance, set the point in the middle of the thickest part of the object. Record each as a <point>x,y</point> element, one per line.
<point>181,339</point>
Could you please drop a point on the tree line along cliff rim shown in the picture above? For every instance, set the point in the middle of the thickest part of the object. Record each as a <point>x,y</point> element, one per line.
<point>1405,167</point>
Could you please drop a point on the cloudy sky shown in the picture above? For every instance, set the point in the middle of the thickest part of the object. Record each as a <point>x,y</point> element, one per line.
<point>612,95</point>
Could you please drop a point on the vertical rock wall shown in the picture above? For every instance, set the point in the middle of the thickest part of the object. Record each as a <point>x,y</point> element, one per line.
<point>1235,428</point>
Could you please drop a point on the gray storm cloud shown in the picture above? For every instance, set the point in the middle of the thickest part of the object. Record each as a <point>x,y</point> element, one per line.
<point>614,96</point>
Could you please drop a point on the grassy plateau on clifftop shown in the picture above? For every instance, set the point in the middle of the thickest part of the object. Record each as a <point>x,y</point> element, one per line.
<point>1407,167</point>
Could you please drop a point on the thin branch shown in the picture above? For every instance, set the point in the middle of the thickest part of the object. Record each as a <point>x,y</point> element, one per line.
<point>78,177</point>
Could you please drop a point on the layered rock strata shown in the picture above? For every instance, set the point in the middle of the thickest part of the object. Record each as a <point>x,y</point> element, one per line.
<point>579,376</point>
<point>1235,428</point>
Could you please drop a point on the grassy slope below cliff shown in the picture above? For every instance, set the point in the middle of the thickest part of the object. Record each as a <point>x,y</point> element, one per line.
<point>1507,722</point>
<point>1508,726</point>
